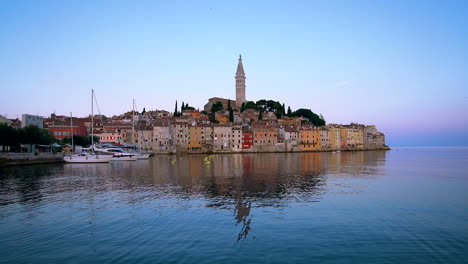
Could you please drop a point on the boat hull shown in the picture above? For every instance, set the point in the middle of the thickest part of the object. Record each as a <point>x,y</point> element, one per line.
<point>87,159</point>
<point>124,158</point>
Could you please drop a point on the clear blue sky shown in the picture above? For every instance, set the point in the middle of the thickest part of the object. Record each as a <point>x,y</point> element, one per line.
<point>401,65</point>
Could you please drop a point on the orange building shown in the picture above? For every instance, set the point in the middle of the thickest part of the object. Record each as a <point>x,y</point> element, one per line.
<point>309,139</point>
<point>194,136</point>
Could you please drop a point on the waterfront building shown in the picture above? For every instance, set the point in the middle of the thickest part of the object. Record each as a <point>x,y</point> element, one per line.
<point>222,137</point>
<point>144,138</point>
<point>207,138</point>
<point>162,138</point>
<point>373,138</point>
<point>195,134</point>
<point>325,139</point>
<point>180,136</point>
<point>32,120</point>
<point>309,139</point>
<point>112,137</point>
<point>247,140</point>
<point>352,136</point>
<point>236,138</point>
<point>265,138</point>
<point>334,136</point>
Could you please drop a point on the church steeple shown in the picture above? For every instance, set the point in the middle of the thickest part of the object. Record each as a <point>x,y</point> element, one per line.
<point>240,83</point>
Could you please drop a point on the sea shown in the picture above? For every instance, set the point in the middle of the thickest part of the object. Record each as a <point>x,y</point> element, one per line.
<point>405,205</point>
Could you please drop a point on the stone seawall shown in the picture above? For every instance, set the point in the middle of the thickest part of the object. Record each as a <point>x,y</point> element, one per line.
<point>11,159</point>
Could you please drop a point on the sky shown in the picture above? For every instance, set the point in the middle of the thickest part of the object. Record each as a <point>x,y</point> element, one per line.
<point>400,65</point>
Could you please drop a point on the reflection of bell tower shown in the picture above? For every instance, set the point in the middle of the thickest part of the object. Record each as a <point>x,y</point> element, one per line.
<point>240,84</point>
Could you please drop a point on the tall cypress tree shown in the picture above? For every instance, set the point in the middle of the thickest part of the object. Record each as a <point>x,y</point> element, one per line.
<point>260,117</point>
<point>175,111</point>
<point>289,111</point>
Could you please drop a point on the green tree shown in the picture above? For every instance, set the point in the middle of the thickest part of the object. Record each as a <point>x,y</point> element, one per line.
<point>231,112</point>
<point>311,116</point>
<point>289,111</point>
<point>250,105</point>
<point>9,136</point>
<point>218,106</point>
<point>260,116</point>
<point>175,111</point>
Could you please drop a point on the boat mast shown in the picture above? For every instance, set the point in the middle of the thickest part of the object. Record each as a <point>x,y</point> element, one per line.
<point>133,123</point>
<point>71,130</point>
<point>92,118</point>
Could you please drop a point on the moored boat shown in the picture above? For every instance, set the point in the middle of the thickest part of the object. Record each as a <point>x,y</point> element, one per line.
<point>85,157</point>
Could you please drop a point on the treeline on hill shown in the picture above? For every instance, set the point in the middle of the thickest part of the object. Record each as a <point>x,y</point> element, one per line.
<point>183,107</point>
<point>280,111</point>
<point>13,137</point>
<point>262,106</point>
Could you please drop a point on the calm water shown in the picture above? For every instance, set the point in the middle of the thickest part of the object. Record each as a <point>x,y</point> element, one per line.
<point>408,205</point>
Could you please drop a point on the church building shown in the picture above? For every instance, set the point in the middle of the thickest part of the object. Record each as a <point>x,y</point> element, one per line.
<point>240,91</point>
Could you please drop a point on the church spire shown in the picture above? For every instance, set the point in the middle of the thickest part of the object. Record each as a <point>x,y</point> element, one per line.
<point>240,83</point>
<point>240,67</point>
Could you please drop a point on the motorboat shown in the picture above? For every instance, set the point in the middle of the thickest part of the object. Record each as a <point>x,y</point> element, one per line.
<point>117,153</point>
<point>85,157</point>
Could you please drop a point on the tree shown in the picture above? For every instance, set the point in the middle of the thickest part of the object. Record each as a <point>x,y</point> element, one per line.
<point>283,110</point>
<point>182,108</point>
<point>243,107</point>
<point>231,112</point>
<point>313,117</point>
<point>250,105</point>
<point>175,111</point>
<point>289,111</point>
<point>144,111</point>
<point>218,106</point>
<point>260,117</point>
<point>8,136</point>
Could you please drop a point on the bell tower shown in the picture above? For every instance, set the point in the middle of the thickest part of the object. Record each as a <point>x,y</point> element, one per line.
<point>240,84</point>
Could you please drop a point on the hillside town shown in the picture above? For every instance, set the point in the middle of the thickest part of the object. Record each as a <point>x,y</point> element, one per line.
<point>223,126</point>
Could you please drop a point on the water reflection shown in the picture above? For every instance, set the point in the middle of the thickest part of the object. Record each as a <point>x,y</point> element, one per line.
<point>238,182</point>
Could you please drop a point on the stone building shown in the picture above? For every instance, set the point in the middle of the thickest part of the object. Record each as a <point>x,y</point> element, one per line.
<point>236,139</point>
<point>373,139</point>
<point>222,137</point>
<point>162,138</point>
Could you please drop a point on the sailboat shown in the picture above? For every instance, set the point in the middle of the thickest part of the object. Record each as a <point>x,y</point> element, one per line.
<point>85,157</point>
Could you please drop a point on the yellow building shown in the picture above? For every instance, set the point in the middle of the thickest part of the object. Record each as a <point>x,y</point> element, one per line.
<point>352,136</point>
<point>334,136</point>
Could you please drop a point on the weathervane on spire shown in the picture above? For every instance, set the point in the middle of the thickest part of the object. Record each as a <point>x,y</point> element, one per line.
<point>240,57</point>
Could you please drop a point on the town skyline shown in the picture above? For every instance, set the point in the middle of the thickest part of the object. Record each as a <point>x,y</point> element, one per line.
<point>395,70</point>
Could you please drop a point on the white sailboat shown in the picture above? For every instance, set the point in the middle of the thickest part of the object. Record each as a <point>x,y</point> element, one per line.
<point>84,157</point>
